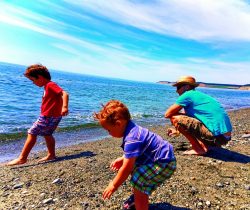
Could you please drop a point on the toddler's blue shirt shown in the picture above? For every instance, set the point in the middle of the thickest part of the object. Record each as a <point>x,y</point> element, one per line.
<point>147,146</point>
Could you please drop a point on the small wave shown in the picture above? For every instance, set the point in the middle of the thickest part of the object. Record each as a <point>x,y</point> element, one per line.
<point>11,136</point>
<point>78,127</point>
<point>18,135</point>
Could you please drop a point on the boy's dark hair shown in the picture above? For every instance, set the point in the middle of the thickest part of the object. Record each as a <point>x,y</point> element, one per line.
<point>112,111</point>
<point>37,69</point>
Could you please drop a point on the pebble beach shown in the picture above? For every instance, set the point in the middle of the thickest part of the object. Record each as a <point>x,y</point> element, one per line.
<point>76,180</point>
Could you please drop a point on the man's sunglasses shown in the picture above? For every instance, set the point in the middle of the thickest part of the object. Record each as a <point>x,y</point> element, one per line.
<point>179,87</point>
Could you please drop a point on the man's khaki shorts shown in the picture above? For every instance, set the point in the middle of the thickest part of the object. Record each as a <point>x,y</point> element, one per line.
<point>197,129</point>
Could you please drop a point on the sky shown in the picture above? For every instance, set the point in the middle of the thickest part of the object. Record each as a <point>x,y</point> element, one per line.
<point>141,40</point>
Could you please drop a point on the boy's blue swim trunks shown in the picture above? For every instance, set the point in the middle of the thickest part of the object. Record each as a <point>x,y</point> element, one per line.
<point>44,126</point>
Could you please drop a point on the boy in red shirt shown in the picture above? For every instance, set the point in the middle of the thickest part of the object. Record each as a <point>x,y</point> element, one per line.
<point>54,106</point>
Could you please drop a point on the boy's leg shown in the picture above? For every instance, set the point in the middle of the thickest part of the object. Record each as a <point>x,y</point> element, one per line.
<point>50,142</point>
<point>198,147</point>
<point>29,144</point>
<point>141,200</point>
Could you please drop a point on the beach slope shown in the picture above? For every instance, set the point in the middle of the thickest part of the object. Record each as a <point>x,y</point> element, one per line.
<point>76,180</point>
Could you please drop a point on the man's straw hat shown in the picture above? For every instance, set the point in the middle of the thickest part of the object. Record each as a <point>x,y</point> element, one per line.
<point>186,80</point>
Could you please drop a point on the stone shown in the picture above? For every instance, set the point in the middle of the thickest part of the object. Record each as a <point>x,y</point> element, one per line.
<point>208,203</point>
<point>17,186</point>
<point>245,136</point>
<point>57,181</point>
<point>47,201</point>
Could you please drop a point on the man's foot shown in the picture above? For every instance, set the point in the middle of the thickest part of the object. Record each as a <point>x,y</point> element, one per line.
<point>16,162</point>
<point>194,152</point>
<point>47,158</point>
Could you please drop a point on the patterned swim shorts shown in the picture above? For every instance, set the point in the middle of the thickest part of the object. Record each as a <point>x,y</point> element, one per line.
<point>147,178</point>
<point>44,126</point>
<point>200,131</point>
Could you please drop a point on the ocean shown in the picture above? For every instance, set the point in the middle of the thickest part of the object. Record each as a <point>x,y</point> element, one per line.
<point>20,104</point>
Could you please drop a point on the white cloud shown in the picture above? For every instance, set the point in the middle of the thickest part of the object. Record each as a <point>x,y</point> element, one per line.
<point>205,20</point>
<point>200,20</point>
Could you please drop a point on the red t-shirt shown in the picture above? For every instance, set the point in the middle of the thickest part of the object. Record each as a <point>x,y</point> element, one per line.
<point>52,100</point>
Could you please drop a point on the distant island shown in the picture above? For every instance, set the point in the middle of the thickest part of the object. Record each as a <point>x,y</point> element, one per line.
<point>215,85</point>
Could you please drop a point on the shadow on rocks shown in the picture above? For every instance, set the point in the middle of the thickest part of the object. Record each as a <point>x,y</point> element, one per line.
<point>227,155</point>
<point>165,206</point>
<point>58,159</point>
<point>75,156</point>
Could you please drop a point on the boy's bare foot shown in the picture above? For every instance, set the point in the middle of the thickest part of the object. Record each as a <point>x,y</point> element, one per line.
<point>194,152</point>
<point>47,158</point>
<point>16,162</point>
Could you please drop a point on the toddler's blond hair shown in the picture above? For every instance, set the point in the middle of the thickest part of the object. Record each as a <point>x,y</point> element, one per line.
<point>112,111</point>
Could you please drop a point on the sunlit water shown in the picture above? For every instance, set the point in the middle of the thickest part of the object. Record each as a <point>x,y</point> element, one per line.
<point>20,102</point>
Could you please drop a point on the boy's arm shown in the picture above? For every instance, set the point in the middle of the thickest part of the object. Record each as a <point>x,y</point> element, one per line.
<point>122,175</point>
<point>65,98</point>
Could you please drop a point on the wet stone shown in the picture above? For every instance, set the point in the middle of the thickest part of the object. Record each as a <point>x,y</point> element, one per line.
<point>17,186</point>
<point>47,201</point>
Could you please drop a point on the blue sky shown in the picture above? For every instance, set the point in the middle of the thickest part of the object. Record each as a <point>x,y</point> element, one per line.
<point>139,40</point>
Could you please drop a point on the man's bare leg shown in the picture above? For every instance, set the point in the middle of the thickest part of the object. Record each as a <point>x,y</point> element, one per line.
<point>198,148</point>
<point>29,144</point>
<point>50,142</point>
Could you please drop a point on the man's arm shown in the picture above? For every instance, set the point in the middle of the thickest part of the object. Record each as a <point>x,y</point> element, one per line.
<point>173,110</point>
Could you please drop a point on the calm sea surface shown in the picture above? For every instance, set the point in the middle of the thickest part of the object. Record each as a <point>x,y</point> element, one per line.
<point>20,101</point>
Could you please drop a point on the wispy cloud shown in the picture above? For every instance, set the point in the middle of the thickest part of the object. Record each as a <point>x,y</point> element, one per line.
<point>141,40</point>
<point>190,19</point>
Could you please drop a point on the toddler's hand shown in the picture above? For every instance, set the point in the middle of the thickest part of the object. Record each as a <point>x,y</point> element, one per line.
<point>117,164</point>
<point>108,191</point>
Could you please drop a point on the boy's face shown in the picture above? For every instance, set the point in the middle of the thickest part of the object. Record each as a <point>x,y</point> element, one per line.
<point>116,130</point>
<point>37,81</point>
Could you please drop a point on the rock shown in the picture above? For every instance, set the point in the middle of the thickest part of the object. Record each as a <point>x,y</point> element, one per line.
<point>245,136</point>
<point>42,195</point>
<point>16,179</point>
<point>208,203</point>
<point>25,192</point>
<point>194,190</point>
<point>200,205</point>
<point>17,186</point>
<point>47,201</point>
<point>219,184</point>
<point>247,187</point>
<point>57,181</point>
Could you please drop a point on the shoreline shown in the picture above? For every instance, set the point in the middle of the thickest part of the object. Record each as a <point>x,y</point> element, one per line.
<point>76,180</point>
<point>15,136</point>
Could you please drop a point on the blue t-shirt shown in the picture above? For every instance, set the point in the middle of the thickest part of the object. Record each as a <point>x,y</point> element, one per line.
<point>146,146</point>
<point>207,110</point>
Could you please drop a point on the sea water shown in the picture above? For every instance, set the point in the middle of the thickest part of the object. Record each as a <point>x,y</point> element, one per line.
<point>20,102</point>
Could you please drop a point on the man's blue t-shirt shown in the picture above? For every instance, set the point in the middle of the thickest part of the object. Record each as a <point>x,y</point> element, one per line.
<point>207,110</point>
<point>147,146</point>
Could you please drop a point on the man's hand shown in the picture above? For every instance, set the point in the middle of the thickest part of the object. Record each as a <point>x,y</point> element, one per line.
<point>172,132</point>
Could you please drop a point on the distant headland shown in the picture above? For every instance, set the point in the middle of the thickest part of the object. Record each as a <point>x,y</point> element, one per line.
<point>215,85</point>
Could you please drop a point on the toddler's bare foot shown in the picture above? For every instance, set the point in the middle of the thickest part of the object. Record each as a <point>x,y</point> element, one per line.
<point>47,158</point>
<point>194,152</point>
<point>16,162</point>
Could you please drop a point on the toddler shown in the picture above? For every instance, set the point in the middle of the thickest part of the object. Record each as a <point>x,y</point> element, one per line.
<point>147,157</point>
